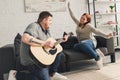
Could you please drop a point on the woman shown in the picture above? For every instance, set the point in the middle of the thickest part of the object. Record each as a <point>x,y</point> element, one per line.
<point>86,40</point>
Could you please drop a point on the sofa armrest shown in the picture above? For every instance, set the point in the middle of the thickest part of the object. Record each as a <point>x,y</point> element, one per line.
<point>107,43</point>
<point>110,45</point>
<point>7,58</point>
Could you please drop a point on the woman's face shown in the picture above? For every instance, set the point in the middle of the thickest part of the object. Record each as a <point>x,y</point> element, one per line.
<point>83,19</point>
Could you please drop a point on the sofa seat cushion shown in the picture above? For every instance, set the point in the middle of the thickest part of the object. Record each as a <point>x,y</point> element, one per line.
<point>73,55</point>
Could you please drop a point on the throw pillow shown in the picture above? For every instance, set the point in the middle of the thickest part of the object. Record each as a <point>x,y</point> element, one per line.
<point>17,43</point>
<point>70,42</point>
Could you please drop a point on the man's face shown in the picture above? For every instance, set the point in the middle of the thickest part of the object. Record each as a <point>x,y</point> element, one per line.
<point>47,22</point>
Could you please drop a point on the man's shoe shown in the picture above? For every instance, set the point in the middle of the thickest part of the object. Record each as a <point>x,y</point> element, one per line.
<point>99,63</point>
<point>12,75</point>
<point>58,76</point>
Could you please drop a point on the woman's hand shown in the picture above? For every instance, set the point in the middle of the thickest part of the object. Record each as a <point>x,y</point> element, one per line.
<point>110,35</point>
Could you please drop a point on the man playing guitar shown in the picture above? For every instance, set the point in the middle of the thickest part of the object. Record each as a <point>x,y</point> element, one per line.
<point>36,35</point>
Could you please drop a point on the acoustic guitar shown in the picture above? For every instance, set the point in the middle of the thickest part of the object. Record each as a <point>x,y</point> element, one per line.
<point>45,56</point>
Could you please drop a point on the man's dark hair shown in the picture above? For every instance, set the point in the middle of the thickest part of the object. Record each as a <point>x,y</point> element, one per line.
<point>42,15</point>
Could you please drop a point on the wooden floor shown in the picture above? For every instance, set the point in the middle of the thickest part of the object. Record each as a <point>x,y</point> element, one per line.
<point>87,70</point>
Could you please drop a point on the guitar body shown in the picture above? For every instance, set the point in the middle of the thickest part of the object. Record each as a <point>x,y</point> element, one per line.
<point>45,55</point>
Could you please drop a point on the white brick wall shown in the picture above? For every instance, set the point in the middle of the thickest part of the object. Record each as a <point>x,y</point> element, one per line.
<point>13,19</point>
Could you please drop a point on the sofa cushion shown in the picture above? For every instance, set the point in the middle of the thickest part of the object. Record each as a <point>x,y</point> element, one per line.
<point>73,55</point>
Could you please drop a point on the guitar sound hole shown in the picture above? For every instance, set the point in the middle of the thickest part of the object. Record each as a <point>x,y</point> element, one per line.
<point>53,51</point>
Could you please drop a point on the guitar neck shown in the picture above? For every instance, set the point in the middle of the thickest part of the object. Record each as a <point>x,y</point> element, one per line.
<point>58,42</point>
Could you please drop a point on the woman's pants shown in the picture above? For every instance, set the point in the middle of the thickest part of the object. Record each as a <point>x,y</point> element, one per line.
<point>86,46</point>
<point>39,73</point>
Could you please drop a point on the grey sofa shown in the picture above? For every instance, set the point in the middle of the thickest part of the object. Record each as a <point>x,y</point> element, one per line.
<point>9,54</point>
<point>105,45</point>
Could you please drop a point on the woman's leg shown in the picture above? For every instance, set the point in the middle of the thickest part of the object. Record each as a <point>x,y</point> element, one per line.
<point>87,46</point>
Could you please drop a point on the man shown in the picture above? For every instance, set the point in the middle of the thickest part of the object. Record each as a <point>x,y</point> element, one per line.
<point>35,33</point>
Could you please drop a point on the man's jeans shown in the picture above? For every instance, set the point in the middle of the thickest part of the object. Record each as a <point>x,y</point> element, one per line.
<point>86,46</point>
<point>39,73</point>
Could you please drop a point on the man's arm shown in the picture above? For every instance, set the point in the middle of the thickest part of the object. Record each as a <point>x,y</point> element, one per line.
<point>30,40</point>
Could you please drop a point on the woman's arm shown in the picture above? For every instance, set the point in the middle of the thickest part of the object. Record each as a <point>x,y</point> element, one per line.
<point>96,31</point>
<point>72,15</point>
